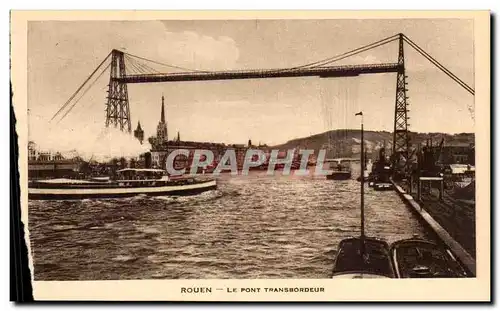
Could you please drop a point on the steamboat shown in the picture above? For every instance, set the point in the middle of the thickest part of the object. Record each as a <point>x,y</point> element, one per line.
<point>129,182</point>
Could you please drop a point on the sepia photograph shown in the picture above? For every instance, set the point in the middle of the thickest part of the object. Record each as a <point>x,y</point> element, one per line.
<point>253,149</point>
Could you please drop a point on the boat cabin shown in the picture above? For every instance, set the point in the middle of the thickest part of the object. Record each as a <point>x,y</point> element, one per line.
<point>340,164</point>
<point>140,176</point>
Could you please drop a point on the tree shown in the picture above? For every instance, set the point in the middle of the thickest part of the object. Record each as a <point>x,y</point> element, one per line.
<point>123,163</point>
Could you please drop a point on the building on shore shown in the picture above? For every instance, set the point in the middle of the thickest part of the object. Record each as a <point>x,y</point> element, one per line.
<point>47,164</point>
<point>159,153</point>
<point>455,153</point>
<point>161,147</point>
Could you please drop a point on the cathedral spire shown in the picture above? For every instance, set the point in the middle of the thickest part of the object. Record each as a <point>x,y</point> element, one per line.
<point>162,109</point>
<point>161,129</point>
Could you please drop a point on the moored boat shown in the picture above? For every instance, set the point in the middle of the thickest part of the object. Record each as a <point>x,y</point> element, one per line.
<point>129,182</point>
<point>364,257</point>
<point>418,258</point>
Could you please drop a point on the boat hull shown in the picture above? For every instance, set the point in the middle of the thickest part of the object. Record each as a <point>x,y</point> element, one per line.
<point>80,193</point>
<point>382,186</point>
<point>339,176</point>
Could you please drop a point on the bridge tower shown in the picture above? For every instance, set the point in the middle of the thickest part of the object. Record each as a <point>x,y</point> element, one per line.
<point>117,106</point>
<point>401,141</point>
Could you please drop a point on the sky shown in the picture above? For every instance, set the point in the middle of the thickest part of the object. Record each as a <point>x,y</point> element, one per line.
<point>62,54</point>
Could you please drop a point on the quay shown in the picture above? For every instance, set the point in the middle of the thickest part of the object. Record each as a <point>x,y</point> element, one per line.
<point>451,221</point>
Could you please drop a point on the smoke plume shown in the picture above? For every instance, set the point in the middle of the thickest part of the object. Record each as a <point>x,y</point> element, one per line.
<point>91,142</point>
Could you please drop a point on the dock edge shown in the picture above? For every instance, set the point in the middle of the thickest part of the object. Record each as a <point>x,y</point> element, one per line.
<point>463,256</point>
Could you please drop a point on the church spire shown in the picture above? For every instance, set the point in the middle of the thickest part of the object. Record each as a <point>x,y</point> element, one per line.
<point>139,133</point>
<point>161,129</point>
<point>162,109</point>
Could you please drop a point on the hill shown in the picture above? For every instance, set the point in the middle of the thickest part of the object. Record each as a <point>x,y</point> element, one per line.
<point>374,140</point>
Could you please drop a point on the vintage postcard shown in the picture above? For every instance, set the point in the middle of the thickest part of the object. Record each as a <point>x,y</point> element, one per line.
<point>254,156</point>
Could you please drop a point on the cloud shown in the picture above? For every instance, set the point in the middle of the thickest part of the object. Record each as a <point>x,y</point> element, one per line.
<point>185,49</point>
<point>203,52</point>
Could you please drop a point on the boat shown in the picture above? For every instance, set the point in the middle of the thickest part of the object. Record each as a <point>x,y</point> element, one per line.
<point>382,186</point>
<point>354,262</point>
<point>382,179</point>
<point>128,182</point>
<point>363,257</point>
<point>340,169</point>
<point>419,258</point>
<point>381,173</point>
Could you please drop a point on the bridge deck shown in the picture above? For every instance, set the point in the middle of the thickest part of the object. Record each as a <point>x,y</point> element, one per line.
<point>322,72</point>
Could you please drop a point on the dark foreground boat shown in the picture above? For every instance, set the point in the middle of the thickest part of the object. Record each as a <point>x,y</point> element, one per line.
<point>130,182</point>
<point>360,258</point>
<point>417,258</point>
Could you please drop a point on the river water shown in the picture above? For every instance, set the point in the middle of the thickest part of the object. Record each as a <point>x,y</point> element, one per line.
<point>254,226</point>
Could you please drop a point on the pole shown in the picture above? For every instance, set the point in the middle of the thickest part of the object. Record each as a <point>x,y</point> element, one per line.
<point>362,166</point>
<point>362,190</point>
<point>362,184</point>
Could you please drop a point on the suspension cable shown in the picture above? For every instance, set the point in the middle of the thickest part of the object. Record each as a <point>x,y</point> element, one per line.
<point>353,53</point>
<point>349,53</point>
<point>81,86</point>
<point>164,64</point>
<point>83,94</point>
<point>143,68</point>
<point>439,65</point>
<point>133,64</point>
<point>309,65</point>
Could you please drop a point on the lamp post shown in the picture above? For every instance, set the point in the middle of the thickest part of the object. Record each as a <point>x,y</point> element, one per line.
<point>362,185</point>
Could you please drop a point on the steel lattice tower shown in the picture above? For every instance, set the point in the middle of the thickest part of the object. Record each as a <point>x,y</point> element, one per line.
<point>401,140</point>
<point>117,107</point>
